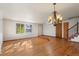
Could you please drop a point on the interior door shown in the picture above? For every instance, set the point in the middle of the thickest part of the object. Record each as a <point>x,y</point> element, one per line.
<point>66,25</point>
<point>59,30</point>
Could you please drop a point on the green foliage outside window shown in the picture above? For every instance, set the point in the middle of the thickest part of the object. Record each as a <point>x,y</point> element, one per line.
<point>19,28</point>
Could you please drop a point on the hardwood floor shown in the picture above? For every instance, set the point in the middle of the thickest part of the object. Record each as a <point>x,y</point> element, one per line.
<point>40,46</point>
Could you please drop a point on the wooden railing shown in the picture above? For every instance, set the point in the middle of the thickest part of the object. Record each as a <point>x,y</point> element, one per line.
<point>72,31</point>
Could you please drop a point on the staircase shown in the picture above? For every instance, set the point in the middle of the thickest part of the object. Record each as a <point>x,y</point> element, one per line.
<point>73,33</point>
<point>75,38</point>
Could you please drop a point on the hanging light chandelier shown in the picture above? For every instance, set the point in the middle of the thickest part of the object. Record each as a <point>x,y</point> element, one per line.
<point>55,17</point>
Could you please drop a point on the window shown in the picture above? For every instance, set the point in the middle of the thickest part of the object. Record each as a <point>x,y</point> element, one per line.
<point>28,28</point>
<point>19,28</point>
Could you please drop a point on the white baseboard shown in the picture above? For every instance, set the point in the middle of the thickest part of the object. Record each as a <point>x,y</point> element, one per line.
<point>16,38</point>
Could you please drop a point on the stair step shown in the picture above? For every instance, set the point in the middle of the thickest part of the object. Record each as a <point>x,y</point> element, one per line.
<point>75,39</point>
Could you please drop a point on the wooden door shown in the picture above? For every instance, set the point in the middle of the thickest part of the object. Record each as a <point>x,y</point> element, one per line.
<point>66,25</point>
<point>59,30</point>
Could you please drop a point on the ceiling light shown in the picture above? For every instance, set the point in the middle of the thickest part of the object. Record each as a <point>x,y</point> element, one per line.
<point>55,17</point>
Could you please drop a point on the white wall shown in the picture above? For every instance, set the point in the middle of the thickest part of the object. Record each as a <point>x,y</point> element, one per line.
<point>10,30</point>
<point>1,31</point>
<point>49,29</point>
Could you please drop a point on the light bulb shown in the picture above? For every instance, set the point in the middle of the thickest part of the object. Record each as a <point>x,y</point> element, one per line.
<point>60,18</point>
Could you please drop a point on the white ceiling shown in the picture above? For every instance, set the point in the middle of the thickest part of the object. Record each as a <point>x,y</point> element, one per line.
<point>38,12</point>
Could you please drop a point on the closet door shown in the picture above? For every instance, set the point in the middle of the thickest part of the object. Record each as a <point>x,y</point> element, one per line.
<point>40,29</point>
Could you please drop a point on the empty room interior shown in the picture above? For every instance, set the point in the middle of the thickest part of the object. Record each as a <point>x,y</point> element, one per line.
<point>39,29</point>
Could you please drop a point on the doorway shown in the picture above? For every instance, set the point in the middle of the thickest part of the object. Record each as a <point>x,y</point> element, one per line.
<point>40,29</point>
<point>59,30</point>
<point>66,25</point>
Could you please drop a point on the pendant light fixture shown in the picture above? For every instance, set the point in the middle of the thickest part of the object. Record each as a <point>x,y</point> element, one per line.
<point>55,17</point>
